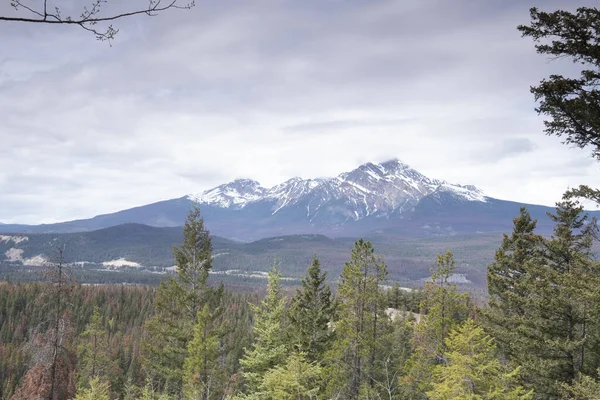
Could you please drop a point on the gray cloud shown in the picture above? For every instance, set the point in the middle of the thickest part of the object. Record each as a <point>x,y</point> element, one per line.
<point>270,90</point>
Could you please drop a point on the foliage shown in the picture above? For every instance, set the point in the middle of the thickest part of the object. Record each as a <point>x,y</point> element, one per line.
<point>472,371</point>
<point>572,104</point>
<point>509,284</point>
<point>443,308</point>
<point>583,388</point>
<point>297,379</point>
<point>362,320</point>
<point>97,390</point>
<point>312,310</point>
<point>178,303</point>
<point>269,348</point>
<point>201,367</point>
<point>95,359</point>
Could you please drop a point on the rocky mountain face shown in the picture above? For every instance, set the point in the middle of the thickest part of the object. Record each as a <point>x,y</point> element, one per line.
<point>390,198</point>
<point>378,190</point>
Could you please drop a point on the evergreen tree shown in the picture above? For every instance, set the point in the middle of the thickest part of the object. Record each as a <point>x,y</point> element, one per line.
<point>311,313</point>
<point>269,348</point>
<point>509,284</point>
<point>571,104</point>
<point>583,388</point>
<point>94,357</point>
<point>563,306</point>
<point>202,372</point>
<point>397,350</point>
<point>96,390</point>
<point>442,310</point>
<point>472,371</point>
<point>178,301</point>
<point>193,260</point>
<point>353,360</point>
<point>297,379</point>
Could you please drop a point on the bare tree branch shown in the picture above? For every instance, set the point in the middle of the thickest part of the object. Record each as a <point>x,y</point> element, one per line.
<point>90,17</point>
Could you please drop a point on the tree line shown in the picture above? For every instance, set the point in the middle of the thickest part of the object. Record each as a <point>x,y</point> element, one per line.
<point>537,338</point>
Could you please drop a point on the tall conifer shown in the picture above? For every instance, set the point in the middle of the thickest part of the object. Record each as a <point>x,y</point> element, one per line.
<point>311,313</point>
<point>177,303</point>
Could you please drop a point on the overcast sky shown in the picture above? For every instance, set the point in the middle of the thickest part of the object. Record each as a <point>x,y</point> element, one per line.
<point>269,90</point>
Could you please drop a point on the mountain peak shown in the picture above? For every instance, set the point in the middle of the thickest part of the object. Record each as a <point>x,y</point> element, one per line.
<point>371,189</point>
<point>236,194</point>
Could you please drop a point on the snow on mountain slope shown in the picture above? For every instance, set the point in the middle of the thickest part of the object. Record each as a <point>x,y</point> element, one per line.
<point>236,194</point>
<point>466,192</point>
<point>370,189</point>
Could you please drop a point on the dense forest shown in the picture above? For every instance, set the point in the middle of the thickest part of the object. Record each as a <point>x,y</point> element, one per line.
<point>537,338</point>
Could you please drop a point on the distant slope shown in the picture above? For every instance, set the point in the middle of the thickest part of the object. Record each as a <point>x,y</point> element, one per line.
<point>135,246</point>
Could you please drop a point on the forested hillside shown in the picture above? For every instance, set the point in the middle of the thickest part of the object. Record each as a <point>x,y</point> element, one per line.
<point>188,339</point>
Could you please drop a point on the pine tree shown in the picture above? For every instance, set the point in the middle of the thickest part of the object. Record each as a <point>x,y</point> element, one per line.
<point>353,360</point>
<point>269,348</point>
<point>311,313</point>
<point>508,280</point>
<point>472,371</point>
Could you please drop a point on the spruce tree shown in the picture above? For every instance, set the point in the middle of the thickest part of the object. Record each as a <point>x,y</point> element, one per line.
<point>563,305</point>
<point>177,303</point>
<point>311,313</point>
<point>508,280</point>
<point>472,371</point>
<point>297,379</point>
<point>269,348</point>
<point>544,300</point>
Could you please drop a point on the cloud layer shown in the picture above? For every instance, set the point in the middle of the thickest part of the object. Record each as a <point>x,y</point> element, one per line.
<point>270,90</point>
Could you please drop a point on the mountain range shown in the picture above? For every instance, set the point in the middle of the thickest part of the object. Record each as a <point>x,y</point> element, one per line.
<point>376,198</point>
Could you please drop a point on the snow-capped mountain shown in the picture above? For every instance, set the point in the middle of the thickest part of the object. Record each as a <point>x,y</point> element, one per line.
<point>373,199</point>
<point>236,194</point>
<point>369,190</point>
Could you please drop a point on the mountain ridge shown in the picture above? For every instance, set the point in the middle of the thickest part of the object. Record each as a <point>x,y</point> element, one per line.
<point>368,189</point>
<point>388,197</point>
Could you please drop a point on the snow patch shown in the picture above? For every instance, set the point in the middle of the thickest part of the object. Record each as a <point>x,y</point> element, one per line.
<point>121,262</point>
<point>37,261</point>
<point>14,255</point>
<point>470,193</point>
<point>14,239</point>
